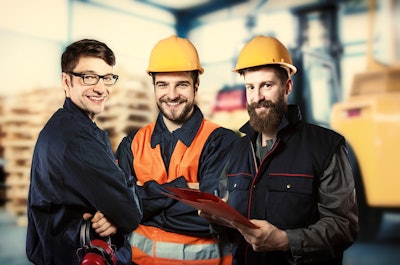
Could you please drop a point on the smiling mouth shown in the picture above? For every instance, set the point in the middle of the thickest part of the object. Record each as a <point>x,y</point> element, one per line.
<point>96,99</point>
<point>172,103</point>
<point>262,110</point>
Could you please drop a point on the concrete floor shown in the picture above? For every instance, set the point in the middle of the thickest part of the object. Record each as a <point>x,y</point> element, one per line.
<point>384,251</point>
<point>12,243</point>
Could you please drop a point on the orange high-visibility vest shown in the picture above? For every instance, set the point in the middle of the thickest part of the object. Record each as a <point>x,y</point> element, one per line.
<point>152,245</point>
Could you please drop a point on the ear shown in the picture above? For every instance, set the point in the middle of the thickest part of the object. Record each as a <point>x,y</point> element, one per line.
<point>66,84</point>
<point>288,86</point>
<point>196,87</point>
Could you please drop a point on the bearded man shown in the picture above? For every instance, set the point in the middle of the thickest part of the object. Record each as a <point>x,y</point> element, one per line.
<point>292,179</point>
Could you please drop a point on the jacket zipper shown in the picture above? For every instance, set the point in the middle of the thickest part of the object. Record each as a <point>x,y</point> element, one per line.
<point>257,170</point>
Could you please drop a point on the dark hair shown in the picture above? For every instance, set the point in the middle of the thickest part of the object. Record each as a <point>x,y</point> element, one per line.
<point>280,71</point>
<point>85,48</point>
<point>194,74</point>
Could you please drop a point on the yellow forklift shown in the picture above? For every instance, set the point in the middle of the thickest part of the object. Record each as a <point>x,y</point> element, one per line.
<point>369,118</point>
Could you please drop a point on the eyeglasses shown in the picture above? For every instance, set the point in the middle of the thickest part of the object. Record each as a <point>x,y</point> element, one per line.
<point>93,79</point>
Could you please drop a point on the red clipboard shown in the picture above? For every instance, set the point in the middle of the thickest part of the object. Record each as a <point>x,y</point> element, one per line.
<point>210,204</point>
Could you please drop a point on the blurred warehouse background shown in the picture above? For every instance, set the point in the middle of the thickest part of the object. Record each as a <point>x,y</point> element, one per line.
<point>347,53</point>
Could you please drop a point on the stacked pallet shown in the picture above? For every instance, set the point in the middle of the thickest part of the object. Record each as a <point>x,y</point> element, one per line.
<point>2,186</point>
<point>131,106</point>
<point>23,118</point>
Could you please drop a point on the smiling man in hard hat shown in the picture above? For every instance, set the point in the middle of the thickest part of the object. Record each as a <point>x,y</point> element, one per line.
<point>180,149</point>
<point>290,178</point>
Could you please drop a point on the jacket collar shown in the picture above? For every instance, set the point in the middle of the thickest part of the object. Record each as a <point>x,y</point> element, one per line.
<point>292,116</point>
<point>75,110</point>
<point>185,134</point>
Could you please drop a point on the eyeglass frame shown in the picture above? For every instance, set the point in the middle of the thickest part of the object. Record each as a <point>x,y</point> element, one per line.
<point>98,77</point>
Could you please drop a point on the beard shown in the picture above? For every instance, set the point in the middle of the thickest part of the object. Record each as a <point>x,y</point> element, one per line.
<point>174,115</point>
<point>270,119</point>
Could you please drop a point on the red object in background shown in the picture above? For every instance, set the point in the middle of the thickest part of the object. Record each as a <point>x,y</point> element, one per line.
<point>230,99</point>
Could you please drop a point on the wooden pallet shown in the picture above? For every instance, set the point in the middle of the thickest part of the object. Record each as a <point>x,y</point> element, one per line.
<point>21,121</point>
<point>131,106</point>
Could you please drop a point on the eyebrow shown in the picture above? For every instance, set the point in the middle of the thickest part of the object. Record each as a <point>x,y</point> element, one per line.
<point>262,83</point>
<point>160,82</point>
<point>183,82</point>
<point>178,82</point>
<point>268,82</point>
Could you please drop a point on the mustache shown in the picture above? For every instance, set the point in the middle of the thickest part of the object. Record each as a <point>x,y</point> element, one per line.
<point>262,104</point>
<point>175,100</point>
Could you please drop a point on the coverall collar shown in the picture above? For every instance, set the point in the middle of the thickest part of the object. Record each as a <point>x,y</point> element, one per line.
<point>185,134</point>
<point>79,113</point>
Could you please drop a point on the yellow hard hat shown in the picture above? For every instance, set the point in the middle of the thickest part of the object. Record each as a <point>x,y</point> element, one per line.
<point>174,54</point>
<point>263,50</point>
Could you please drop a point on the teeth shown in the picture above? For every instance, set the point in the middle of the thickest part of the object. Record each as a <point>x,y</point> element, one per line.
<point>97,98</point>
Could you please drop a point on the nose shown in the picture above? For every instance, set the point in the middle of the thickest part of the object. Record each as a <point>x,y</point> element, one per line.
<point>172,93</point>
<point>100,87</point>
<point>258,95</point>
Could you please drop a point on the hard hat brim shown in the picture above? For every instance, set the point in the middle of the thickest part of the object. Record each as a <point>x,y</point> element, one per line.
<point>148,71</point>
<point>291,69</point>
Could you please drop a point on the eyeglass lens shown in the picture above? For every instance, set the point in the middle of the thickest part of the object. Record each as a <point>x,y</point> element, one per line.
<point>92,79</point>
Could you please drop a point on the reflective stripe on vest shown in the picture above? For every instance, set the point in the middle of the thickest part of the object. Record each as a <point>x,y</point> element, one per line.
<point>152,245</point>
<point>177,251</point>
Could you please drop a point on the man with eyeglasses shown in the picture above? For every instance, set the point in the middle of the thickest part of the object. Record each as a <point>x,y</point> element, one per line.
<point>74,176</point>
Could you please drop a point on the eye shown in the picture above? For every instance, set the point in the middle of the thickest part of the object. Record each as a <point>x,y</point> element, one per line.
<point>161,85</point>
<point>267,86</point>
<point>90,77</point>
<point>183,84</point>
<point>108,78</point>
<point>249,87</point>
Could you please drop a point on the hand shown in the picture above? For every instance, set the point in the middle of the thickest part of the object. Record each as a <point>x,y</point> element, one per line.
<point>193,185</point>
<point>100,224</point>
<point>266,238</point>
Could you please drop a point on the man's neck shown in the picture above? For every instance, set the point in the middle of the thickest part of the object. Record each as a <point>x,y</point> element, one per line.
<point>171,126</point>
<point>267,136</point>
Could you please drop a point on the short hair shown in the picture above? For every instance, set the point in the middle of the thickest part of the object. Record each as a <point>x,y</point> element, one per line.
<point>85,48</point>
<point>194,74</point>
<point>280,71</point>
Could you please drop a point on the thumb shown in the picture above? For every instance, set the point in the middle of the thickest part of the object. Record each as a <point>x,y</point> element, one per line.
<point>87,216</point>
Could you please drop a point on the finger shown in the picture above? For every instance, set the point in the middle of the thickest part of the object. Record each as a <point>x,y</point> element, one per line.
<point>204,215</point>
<point>101,228</point>
<point>97,216</point>
<point>193,185</point>
<point>108,232</point>
<point>99,223</point>
<point>87,216</point>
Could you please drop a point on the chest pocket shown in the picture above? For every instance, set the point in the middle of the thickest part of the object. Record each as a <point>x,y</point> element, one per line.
<point>239,190</point>
<point>290,200</point>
